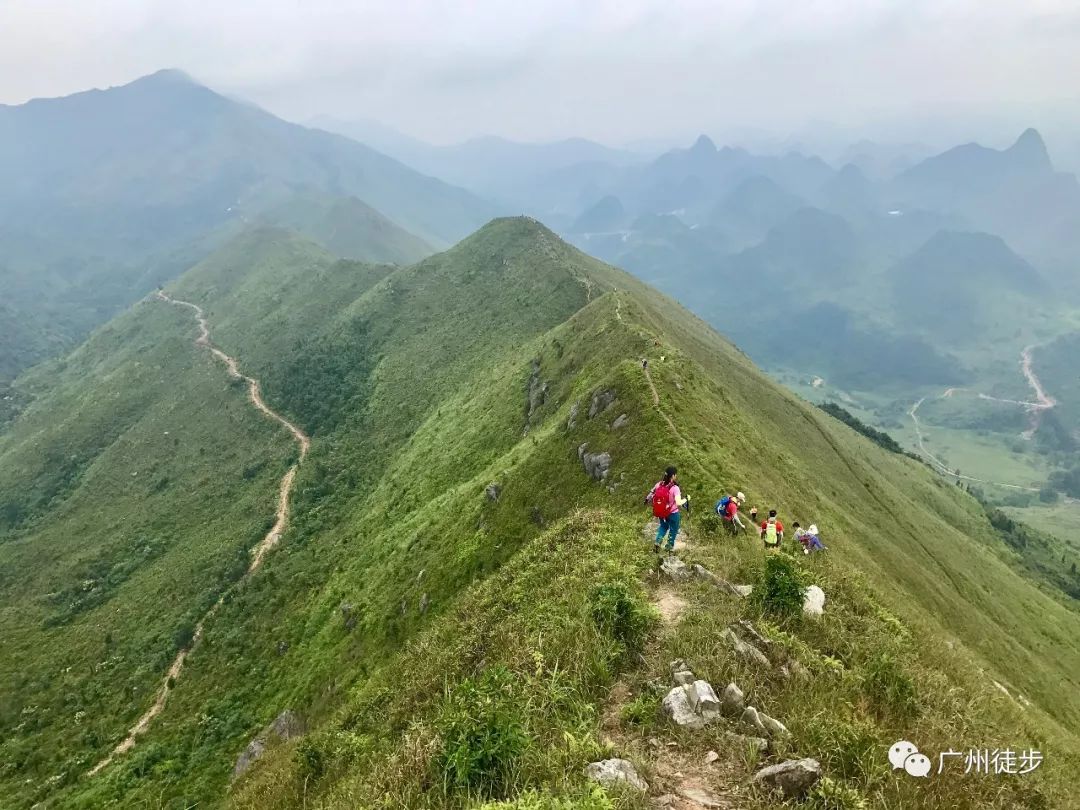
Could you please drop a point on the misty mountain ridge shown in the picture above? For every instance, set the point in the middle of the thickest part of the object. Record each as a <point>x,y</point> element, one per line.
<point>108,193</point>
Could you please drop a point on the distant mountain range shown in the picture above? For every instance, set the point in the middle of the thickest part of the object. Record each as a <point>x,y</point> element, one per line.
<point>106,193</point>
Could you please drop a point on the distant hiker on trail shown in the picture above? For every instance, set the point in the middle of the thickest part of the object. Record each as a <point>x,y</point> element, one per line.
<point>772,532</point>
<point>753,515</point>
<point>666,498</point>
<point>644,362</point>
<point>728,510</point>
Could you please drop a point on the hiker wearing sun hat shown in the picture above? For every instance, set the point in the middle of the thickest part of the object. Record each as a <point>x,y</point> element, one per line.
<point>728,510</point>
<point>811,541</point>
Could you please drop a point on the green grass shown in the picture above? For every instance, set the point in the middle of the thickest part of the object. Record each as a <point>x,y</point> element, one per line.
<point>400,583</point>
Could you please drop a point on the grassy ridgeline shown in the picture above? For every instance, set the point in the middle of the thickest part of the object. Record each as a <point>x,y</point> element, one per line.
<point>428,371</point>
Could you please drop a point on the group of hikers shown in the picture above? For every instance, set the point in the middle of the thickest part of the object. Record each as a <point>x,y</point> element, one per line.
<point>667,501</point>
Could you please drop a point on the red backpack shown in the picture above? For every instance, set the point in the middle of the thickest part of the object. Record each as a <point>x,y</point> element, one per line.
<point>661,500</point>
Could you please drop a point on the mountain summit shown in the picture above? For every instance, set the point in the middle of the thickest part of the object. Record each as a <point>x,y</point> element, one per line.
<point>1029,152</point>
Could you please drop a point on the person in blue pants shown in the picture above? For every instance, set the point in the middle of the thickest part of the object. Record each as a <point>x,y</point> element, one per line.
<point>666,498</point>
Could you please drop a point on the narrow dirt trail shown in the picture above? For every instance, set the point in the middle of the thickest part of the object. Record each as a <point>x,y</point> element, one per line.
<point>258,553</point>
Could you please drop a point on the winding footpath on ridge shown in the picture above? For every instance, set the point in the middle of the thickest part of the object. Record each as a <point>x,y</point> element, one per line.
<point>1043,402</point>
<point>257,554</point>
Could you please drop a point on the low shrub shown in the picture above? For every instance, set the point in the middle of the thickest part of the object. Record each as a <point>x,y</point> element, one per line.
<point>780,593</point>
<point>621,614</point>
<point>482,729</point>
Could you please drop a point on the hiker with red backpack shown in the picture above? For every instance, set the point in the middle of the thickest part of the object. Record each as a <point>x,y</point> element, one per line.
<point>728,510</point>
<point>666,498</point>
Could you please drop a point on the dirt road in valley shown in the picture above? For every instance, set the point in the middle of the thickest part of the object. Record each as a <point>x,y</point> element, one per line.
<point>258,554</point>
<point>1042,403</point>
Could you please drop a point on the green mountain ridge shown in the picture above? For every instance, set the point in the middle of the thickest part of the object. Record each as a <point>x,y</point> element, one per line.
<point>406,583</point>
<point>107,193</point>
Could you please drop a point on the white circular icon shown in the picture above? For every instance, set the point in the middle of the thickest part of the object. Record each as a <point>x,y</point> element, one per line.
<point>917,765</point>
<point>901,751</point>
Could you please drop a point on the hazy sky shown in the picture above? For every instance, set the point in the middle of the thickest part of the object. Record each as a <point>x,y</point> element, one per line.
<point>615,71</point>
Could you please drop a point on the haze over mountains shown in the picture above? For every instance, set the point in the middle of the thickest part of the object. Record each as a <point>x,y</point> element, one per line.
<point>457,606</point>
<point>105,194</point>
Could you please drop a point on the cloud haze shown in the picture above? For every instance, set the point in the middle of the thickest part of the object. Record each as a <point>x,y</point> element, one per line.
<point>609,70</point>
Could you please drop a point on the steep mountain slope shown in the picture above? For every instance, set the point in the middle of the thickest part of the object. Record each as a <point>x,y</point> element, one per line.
<point>964,286</point>
<point>453,573</point>
<point>106,193</point>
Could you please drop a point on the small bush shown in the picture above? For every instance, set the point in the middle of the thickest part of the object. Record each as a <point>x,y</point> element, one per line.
<point>641,710</point>
<point>887,684</point>
<point>620,614</point>
<point>709,523</point>
<point>849,748</point>
<point>310,760</point>
<point>781,590</point>
<point>483,735</point>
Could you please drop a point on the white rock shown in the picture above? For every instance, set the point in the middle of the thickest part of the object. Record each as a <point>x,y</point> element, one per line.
<point>733,701</point>
<point>793,778</point>
<point>674,569</point>
<point>773,726</point>
<point>704,700</point>
<point>683,678</point>
<point>745,649</point>
<point>743,590</point>
<point>751,718</point>
<point>711,757</point>
<point>611,771</point>
<point>813,601</point>
<point>677,707</point>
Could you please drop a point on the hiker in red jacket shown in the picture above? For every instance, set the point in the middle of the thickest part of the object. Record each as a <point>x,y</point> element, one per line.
<point>666,498</point>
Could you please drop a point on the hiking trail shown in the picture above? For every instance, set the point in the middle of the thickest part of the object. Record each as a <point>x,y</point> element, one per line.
<point>258,553</point>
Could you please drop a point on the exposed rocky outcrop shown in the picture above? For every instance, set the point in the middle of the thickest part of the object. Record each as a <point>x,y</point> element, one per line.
<point>493,491</point>
<point>792,778</point>
<point>676,705</point>
<point>621,421</point>
<point>537,392</point>
<point>285,726</point>
<point>706,575</point>
<point>613,771</point>
<point>597,465</point>
<point>571,421</point>
<point>674,569</point>
<point>703,700</point>
<point>745,649</point>
<point>601,401</point>
<point>733,701</point>
<point>752,719</point>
